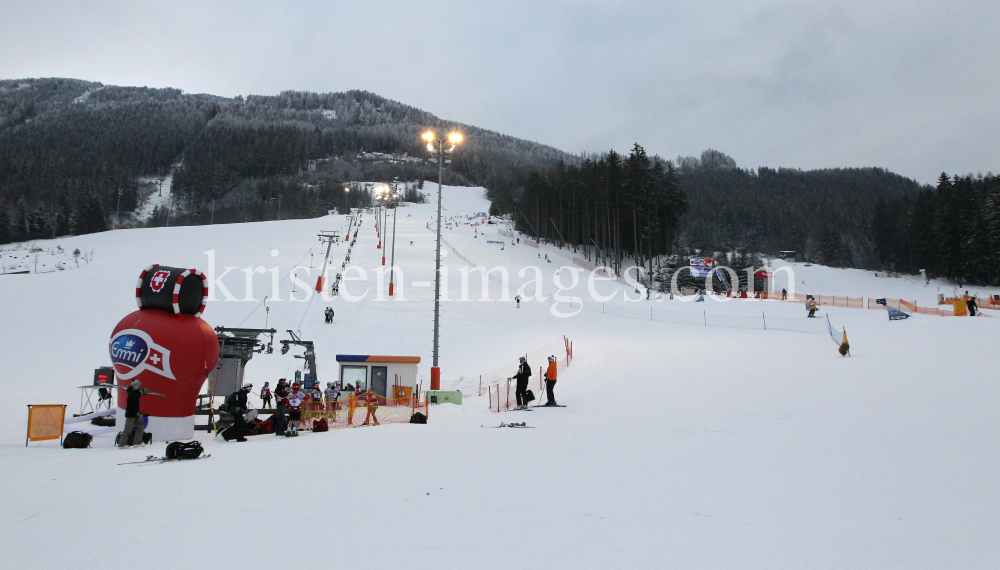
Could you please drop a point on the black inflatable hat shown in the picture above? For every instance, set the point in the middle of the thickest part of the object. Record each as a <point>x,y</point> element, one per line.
<point>172,289</point>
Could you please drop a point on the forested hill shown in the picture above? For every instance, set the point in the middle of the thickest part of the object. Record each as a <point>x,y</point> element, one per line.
<point>78,157</point>
<point>639,208</point>
<point>73,152</point>
<point>825,214</point>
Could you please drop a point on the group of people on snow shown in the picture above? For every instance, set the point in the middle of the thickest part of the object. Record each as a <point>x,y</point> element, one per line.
<point>525,396</point>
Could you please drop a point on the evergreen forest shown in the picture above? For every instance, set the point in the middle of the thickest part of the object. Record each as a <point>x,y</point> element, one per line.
<point>80,157</point>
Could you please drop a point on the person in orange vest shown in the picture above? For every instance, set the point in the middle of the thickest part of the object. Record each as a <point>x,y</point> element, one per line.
<point>550,381</point>
<point>372,408</point>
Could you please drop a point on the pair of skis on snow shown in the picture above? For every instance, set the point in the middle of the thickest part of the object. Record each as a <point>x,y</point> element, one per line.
<point>150,459</point>
<point>530,408</point>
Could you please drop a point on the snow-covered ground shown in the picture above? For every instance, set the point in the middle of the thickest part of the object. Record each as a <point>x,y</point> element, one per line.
<point>682,445</point>
<point>40,257</point>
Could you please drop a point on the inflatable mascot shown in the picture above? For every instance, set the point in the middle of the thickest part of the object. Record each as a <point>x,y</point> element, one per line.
<point>167,347</point>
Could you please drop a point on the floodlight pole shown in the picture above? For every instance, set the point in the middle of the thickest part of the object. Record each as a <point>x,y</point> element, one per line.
<point>435,370</point>
<point>392,256</point>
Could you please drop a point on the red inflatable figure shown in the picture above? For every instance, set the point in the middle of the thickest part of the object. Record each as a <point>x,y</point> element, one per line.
<point>167,347</point>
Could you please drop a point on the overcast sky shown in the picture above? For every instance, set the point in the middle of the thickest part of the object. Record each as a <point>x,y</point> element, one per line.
<point>912,86</point>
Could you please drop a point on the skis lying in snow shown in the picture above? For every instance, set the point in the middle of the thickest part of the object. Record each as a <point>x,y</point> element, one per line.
<point>155,459</point>
<point>548,406</point>
<point>521,425</point>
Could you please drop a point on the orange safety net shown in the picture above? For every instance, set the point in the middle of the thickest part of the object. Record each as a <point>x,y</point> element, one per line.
<point>366,408</point>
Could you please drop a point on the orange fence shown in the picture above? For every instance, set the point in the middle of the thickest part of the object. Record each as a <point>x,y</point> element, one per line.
<point>987,303</point>
<point>364,409</point>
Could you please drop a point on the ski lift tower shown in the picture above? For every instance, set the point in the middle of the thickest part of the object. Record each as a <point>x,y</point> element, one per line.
<point>327,237</point>
<point>309,380</point>
<point>236,348</point>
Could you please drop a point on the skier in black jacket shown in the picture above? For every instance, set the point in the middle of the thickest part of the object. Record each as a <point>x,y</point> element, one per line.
<point>523,373</point>
<point>237,403</point>
<point>280,393</point>
<point>133,419</point>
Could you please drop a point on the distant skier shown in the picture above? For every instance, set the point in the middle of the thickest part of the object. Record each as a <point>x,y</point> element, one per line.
<point>133,419</point>
<point>973,307</point>
<point>550,381</point>
<point>784,295</point>
<point>265,396</point>
<point>517,298</point>
<point>811,306</point>
<point>523,373</point>
<point>372,407</point>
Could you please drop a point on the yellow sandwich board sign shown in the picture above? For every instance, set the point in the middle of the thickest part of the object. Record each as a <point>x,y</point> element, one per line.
<point>45,422</point>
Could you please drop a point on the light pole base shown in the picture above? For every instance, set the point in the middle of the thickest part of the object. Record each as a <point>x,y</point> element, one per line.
<point>435,378</point>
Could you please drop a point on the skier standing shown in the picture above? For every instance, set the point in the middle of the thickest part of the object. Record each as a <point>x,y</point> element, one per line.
<point>265,396</point>
<point>518,299</point>
<point>133,419</point>
<point>295,400</point>
<point>281,394</point>
<point>237,403</point>
<point>550,381</point>
<point>523,373</point>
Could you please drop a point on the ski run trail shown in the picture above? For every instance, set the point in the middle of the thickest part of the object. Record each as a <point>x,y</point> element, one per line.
<point>681,446</point>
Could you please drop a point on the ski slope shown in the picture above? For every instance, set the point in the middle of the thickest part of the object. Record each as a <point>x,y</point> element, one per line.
<point>682,446</point>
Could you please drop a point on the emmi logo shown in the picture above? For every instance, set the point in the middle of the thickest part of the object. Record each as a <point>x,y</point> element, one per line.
<point>128,350</point>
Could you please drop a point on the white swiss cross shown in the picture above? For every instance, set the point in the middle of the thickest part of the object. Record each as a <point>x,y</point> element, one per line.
<point>155,359</point>
<point>159,278</point>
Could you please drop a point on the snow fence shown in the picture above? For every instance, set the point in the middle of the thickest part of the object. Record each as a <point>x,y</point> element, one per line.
<point>365,409</point>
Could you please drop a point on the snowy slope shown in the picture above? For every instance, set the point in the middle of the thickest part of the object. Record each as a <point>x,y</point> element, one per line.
<point>682,446</point>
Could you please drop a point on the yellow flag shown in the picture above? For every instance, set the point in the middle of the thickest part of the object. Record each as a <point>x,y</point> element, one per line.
<point>845,347</point>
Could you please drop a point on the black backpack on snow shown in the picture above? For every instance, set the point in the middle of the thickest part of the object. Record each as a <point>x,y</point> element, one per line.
<point>77,440</point>
<point>418,418</point>
<point>184,450</point>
